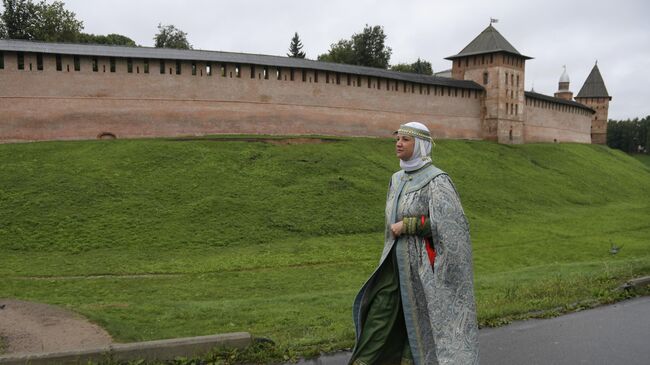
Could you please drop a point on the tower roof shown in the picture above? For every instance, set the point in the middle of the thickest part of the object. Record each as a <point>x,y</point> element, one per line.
<point>489,41</point>
<point>594,86</point>
<point>565,76</point>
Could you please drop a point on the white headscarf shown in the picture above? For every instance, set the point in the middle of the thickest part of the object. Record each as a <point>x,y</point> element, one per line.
<point>422,150</point>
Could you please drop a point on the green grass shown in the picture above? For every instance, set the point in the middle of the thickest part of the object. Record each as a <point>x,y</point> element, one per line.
<point>157,238</point>
<point>645,159</point>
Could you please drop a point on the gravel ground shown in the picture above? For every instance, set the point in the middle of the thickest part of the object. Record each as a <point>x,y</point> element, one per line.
<point>27,327</point>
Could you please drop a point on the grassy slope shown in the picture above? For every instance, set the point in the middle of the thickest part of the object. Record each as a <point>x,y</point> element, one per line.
<point>155,239</point>
<point>644,159</point>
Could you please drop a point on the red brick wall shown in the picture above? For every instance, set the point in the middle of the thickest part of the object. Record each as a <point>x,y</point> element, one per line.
<point>50,104</point>
<point>548,122</point>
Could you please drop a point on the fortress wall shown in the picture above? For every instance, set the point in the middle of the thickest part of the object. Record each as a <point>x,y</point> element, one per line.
<point>551,122</point>
<point>51,104</point>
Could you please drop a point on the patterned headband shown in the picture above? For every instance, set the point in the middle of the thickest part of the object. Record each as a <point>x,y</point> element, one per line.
<point>403,129</point>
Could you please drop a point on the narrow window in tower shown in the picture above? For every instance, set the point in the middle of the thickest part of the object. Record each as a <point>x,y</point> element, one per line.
<point>20,59</point>
<point>208,69</point>
<point>327,77</point>
<point>483,60</point>
<point>278,73</point>
<point>304,75</point>
<point>223,70</point>
<point>59,62</point>
<point>420,89</point>
<point>146,66</point>
<point>458,63</point>
<point>358,81</point>
<point>104,68</point>
<point>516,109</point>
<point>291,74</point>
<point>252,71</point>
<point>193,68</point>
<point>266,72</point>
<point>369,82</point>
<point>506,79</point>
<point>95,64</point>
<point>455,93</point>
<point>129,65</point>
<point>111,61</point>
<point>507,110</point>
<point>237,70</point>
<point>491,58</point>
<point>512,79</point>
<point>162,67</point>
<point>474,60</point>
<point>378,84</point>
<point>517,80</point>
<point>178,67</point>
<point>349,79</point>
<point>485,78</point>
<point>39,61</point>
<point>137,69</point>
<point>338,78</point>
<point>315,75</point>
<point>2,60</point>
<point>77,63</point>
<point>466,61</point>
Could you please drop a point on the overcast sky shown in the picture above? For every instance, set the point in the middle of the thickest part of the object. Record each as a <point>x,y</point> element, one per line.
<point>553,32</point>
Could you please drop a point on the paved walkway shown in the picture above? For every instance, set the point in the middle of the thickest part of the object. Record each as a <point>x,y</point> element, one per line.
<point>614,334</point>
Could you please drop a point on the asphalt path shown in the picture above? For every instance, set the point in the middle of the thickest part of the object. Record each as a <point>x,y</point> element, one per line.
<point>612,335</point>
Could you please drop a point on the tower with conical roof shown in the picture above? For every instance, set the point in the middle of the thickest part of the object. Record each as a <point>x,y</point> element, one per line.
<point>563,91</point>
<point>493,62</point>
<point>594,95</point>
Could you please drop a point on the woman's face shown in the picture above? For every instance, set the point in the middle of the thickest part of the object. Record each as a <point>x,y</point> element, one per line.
<point>404,146</point>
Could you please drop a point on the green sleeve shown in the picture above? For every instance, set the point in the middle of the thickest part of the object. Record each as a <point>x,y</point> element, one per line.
<point>423,230</point>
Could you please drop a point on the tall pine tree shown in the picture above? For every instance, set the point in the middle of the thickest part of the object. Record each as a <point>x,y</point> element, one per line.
<point>295,48</point>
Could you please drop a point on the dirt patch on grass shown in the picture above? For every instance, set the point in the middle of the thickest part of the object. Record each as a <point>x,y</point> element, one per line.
<point>28,327</point>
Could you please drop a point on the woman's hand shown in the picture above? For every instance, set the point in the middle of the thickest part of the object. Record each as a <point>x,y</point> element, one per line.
<point>396,228</point>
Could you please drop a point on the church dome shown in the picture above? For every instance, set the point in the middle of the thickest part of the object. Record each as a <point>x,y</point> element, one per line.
<point>565,76</point>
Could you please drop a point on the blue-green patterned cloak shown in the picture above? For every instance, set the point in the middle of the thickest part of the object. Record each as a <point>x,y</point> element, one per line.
<point>439,307</point>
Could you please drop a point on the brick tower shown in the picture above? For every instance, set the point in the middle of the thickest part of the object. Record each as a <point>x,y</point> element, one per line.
<point>490,60</point>
<point>594,95</point>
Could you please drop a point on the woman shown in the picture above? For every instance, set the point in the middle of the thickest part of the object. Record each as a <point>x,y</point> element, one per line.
<point>418,305</point>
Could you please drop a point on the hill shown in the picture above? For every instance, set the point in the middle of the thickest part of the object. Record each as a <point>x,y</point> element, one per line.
<point>163,238</point>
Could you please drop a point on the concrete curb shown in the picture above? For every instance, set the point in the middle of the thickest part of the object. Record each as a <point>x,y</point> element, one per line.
<point>152,350</point>
<point>636,283</point>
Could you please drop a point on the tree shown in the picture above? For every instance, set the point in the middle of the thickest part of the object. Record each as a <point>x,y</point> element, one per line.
<point>418,67</point>
<point>111,39</point>
<point>628,135</point>
<point>295,47</point>
<point>341,52</point>
<point>370,49</point>
<point>24,19</point>
<point>171,37</point>
<point>364,49</point>
<point>3,29</point>
<point>55,23</point>
<point>18,19</point>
